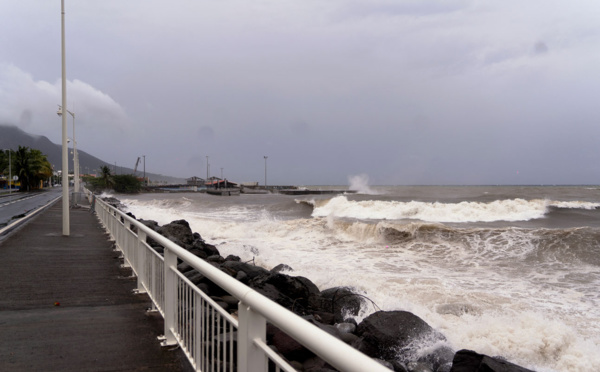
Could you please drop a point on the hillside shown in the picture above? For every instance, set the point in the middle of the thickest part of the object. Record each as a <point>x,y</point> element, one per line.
<point>12,137</point>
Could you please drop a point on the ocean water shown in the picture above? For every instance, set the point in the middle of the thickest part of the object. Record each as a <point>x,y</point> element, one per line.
<point>512,271</point>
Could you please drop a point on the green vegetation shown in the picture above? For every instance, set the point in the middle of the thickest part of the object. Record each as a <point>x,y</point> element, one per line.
<point>4,161</point>
<point>30,165</point>
<point>127,183</point>
<point>4,169</point>
<point>124,183</point>
<point>106,179</point>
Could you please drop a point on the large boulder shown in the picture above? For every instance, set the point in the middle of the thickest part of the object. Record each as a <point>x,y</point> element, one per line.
<point>209,249</point>
<point>178,232</point>
<point>286,345</point>
<point>292,292</point>
<point>234,268</point>
<point>470,361</point>
<point>437,356</point>
<point>342,302</point>
<point>154,226</point>
<point>395,334</point>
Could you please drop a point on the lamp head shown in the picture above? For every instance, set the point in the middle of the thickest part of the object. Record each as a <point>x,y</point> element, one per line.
<point>59,112</point>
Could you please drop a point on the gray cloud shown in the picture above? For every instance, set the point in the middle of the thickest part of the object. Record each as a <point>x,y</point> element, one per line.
<point>403,91</point>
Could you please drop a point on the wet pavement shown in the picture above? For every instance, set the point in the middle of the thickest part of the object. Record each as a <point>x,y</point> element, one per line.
<point>67,305</point>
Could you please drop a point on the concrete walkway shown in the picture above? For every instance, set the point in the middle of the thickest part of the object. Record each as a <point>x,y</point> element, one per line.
<point>66,305</point>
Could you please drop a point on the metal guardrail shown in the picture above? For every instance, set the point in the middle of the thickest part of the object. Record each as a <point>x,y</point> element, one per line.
<point>211,338</point>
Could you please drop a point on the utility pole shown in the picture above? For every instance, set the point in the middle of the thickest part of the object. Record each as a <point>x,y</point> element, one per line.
<point>265,171</point>
<point>65,152</point>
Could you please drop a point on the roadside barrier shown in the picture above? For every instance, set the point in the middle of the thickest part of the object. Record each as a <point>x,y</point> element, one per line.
<point>211,338</point>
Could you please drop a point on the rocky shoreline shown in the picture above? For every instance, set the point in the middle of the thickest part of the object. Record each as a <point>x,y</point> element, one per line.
<point>399,340</point>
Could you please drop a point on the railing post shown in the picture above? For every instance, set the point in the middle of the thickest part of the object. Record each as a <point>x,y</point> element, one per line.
<point>141,250</point>
<point>127,254</point>
<point>170,264</point>
<point>251,326</point>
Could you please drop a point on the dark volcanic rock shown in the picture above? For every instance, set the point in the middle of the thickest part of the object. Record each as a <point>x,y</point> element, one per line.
<point>178,232</point>
<point>389,334</point>
<point>342,302</point>
<point>154,226</point>
<point>209,249</point>
<point>250,271</point>
<point>286,345</point>
<point>438,356</point>
<point>151,224</point>
<point>292,292</point>
<point>281,267</point>
<point>114,202</point>
<point>470,361</point>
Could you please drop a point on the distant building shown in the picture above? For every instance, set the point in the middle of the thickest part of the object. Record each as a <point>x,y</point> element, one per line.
<point>195,181</point>
<point>217,183</point>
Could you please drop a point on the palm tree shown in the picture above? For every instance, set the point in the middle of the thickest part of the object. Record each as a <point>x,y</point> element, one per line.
<point>32,167</point>
<point>24,167</point>
<point>105,177</point>
<point>41,167</point>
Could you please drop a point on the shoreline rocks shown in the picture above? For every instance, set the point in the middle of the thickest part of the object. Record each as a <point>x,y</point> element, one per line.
<point>396,339</point>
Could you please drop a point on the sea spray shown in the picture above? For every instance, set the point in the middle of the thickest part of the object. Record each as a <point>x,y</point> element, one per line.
<point>360,184</point>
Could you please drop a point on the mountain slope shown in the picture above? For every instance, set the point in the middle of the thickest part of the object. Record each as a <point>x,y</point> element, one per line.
<point>11,137</point>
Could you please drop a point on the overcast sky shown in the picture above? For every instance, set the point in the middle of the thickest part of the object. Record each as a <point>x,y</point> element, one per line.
<point>405,92</point>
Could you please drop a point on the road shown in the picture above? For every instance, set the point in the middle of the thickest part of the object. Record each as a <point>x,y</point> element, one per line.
<point>18,204</point>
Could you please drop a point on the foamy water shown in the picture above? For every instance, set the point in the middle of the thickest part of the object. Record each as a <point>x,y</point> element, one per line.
<point>528,294</point>
<point>499,210</point>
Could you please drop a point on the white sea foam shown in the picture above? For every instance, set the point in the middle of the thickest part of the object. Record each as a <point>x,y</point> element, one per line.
<point>471,284</point>
<point>498,210</point>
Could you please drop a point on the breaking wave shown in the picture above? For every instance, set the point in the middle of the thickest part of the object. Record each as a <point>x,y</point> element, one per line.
<point>499,210</point>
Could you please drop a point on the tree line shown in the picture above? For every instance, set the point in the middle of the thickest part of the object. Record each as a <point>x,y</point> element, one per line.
<point>30,165</point>
<point>122,183</point>
<point>33,169</point>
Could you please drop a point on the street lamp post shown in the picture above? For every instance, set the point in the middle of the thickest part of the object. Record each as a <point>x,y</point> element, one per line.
<point>65,151</point>
<point>265,171</point>
<point>75,153</point>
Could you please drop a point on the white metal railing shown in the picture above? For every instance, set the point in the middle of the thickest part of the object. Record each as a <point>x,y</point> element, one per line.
<point>204,330</point>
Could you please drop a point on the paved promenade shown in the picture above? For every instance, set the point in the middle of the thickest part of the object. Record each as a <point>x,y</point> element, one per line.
<point>98,325</point>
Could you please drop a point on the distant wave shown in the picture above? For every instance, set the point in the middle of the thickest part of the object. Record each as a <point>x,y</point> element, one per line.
<point>553,245</point>
<point>499,210</point>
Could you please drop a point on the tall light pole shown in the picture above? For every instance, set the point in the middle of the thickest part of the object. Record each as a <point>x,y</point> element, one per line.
<point>265,171</point>
<point>75,153</point>
<point>206,168</point>
<point>65,150</point>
